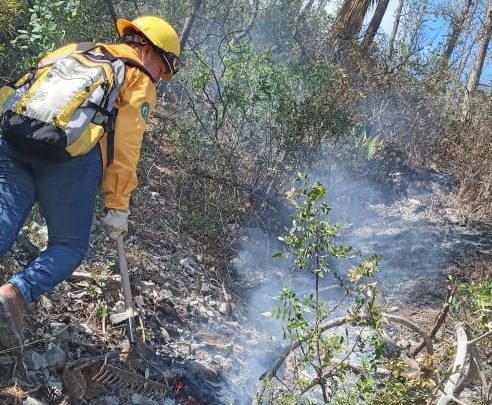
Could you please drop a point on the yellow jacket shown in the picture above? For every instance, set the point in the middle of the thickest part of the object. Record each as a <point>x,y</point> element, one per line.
<point>135,102</point>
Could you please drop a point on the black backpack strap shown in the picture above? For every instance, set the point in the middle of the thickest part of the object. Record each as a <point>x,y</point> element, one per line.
<point>110,135</point>
<point>109,127</point>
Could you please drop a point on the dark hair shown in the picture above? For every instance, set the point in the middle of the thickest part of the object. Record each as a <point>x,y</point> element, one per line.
<point>133,37</point>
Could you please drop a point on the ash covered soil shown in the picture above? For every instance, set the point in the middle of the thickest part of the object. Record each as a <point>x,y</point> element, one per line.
<point>201,313</point>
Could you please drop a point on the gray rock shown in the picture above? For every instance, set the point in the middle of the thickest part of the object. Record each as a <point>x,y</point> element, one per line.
<point>59,331</point>
<point>224,308</point>
<point>137,399</point>
<point>55,356</point>
<point>110,400</point>
<point>32,401</point>
<point>189,265</point>
<point>165,335</point>
<point>34,361</point>
<point>46,302</point>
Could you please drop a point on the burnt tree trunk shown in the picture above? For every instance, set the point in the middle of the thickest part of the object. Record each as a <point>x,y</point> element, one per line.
<point>375,22</point>
<point>478,63</point>
<point>189,22</point>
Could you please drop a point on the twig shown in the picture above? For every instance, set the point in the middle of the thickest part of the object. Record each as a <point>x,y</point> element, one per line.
<point>270,373</point>
<point>473,341</point>
<point>457,369</point>
<point>437,325</point>
<point>356,369</point>
<point>414,327</point>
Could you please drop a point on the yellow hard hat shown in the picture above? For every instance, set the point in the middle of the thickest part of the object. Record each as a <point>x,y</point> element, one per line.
<point>161,34</point>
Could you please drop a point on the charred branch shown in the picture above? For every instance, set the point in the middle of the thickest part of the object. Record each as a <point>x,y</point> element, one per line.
<point>436,327</point>
<point>272,371</point>
<point>375,23</point>
<point>394,31</point>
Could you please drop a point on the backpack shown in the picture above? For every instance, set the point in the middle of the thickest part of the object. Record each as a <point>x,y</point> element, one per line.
<point>64,105</point>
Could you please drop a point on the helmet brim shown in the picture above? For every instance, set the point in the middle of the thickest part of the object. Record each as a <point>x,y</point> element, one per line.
<point>122,24</point>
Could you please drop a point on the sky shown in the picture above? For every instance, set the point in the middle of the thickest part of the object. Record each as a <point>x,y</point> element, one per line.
<point>435,31</point>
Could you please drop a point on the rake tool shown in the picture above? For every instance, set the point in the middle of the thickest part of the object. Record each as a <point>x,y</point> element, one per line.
<point>121,378</point>
<point>117,376</point>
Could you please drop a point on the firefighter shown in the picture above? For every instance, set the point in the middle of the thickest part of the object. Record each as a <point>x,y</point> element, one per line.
<point>66,191</point>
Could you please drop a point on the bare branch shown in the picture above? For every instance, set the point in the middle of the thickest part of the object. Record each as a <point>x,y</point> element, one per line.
<point>414,327</point>
<point>245,30</point>
<point>480,337</point>
<point>458,367</point>
<point>437,324</point>
<point>271,372</point>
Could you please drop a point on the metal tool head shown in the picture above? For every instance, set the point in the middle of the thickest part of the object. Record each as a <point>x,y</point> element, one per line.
<point>119,377</point>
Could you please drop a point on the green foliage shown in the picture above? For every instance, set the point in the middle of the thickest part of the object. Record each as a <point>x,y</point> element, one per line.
<point>365,144</point>
<point>100,277</point>
<point>474,300</point>
<point>319,360</point>
<point>253,121</point>
<point>310,236</point>
<point>10,10</point>
<point>329,363</point>
<point>44,30</point>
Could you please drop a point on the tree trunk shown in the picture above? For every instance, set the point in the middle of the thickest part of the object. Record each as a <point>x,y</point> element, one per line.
<point>302,14</point>
<point>477,67</point>
<point>375,22</point>
<point>457,28</point>
<point>112,11</point>
<point>189,22</point>
<point>348,21</point>
<point>391,43</point>
<point>254,13</point>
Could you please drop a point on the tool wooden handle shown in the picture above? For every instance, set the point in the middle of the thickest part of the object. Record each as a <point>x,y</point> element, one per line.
<point>127,292</point>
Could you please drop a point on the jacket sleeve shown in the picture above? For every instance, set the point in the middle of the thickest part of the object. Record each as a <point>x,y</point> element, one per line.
<point>135,102</point>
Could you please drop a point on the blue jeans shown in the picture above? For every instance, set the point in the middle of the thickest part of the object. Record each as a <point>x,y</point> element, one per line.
<point>66,193</point>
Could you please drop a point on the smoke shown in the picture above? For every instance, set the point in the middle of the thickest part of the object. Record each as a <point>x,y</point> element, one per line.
<point>415,244</point>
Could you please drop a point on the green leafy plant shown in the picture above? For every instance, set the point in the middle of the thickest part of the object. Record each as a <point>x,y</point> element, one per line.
<point>473,303</point>
<point>339,360</point>
<point>45,31</point>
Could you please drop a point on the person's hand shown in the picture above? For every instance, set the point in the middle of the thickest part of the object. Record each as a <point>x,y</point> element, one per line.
<point>115,223</point>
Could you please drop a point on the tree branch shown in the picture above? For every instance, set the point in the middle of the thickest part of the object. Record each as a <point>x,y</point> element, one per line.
<point>458,367</point>
<point>437,324</point>
<point>246,29</point>
<point>414,327</point>
<point>271,372</point>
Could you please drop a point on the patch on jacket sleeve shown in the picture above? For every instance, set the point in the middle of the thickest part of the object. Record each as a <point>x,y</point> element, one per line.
<point>145,110</point>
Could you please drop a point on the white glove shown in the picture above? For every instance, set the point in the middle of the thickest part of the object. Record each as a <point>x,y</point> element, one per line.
<point>115,223</point>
